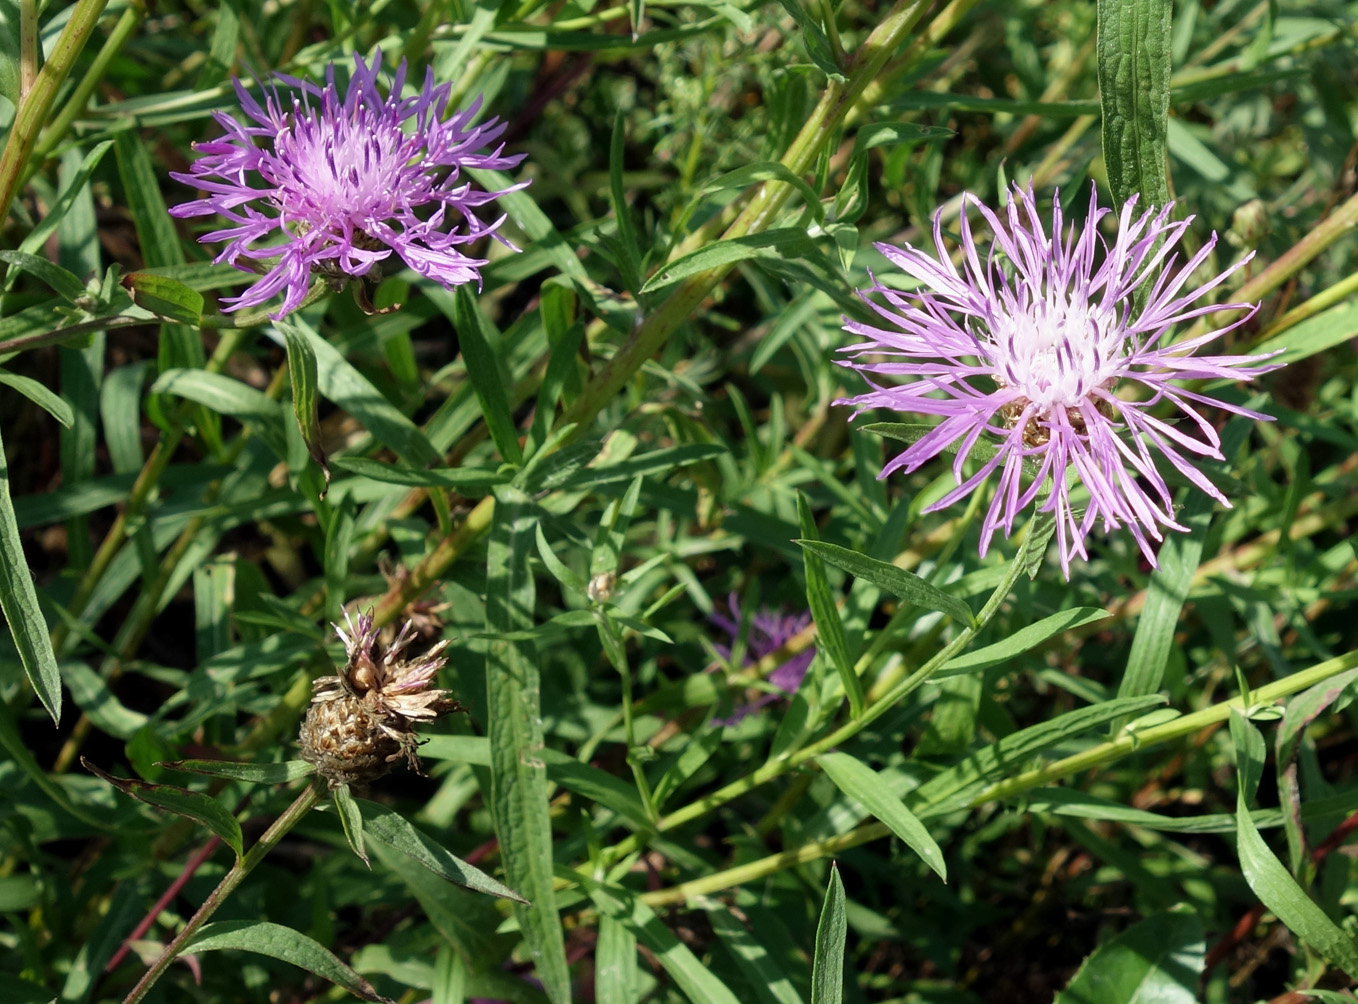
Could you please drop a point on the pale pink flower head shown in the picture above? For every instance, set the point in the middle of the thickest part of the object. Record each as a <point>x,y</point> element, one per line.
<point>332,183</point>
<point>1029,347</point>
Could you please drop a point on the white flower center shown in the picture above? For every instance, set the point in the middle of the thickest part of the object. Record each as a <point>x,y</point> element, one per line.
<point>1056,353</point>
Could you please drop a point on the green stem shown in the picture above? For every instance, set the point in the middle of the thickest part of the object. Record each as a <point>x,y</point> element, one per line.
<point>75,106</point>
<point>28,47</point>
<point>37,103</point>
<point>303,804</point>
<point>146,482</point>
<point>835,103</point>
<point>1096,757</point>
<point>845,732</point>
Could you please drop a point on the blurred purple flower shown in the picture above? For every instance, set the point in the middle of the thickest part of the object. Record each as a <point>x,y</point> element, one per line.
<point>1030,345</point>
<point>334,184</point>
<point>769,631</point>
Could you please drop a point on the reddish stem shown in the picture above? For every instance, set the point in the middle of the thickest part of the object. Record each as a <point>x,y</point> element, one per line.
<point>190,867</point>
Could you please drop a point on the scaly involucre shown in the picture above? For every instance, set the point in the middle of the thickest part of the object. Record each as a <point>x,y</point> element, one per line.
<point>1028,347</point>
<point>333,185</point>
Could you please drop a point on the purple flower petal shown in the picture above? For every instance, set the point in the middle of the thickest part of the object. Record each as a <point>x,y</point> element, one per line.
<point>333,184</point>
<point>1030,345</point>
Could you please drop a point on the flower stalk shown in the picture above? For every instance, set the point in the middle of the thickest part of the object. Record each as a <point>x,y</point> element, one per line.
<point>307,800</point>
<point>37,102</point>
<point>1098,756</point>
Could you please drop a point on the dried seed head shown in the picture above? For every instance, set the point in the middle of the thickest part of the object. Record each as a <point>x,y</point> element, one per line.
<point>363,720</point>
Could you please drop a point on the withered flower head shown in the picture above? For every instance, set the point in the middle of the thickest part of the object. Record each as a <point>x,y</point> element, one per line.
<point>363,720</point>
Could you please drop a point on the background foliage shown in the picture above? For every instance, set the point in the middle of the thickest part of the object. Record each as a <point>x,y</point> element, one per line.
<point>1138,784</point>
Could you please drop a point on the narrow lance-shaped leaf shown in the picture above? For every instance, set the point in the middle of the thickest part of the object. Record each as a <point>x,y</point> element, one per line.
<point>628,248</point>
<point>829,628</point>
<point>285,944</point>
<point>861,783</point>
<point>474,335</point>
<point>262,773</point>
<point>907,585</point>
<point>19,603</point>
<point>306,394</point>
<point>1280,892</point>
<point>827,968</point>
<point>395,831</point>
<point>191,804</point>
<point>1179,557</point>
<point>694,979</point>
<point>518,775</point>
<point>351,819</point>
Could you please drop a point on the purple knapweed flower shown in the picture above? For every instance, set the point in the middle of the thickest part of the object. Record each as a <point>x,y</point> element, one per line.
<point>1031,344</point>
<point>333,184</point>
<point>769,631</point>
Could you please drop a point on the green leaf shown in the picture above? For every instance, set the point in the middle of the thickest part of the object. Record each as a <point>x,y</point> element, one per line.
<point>1165,597</point>
<point>306,393</point>
<point>227,396</point>
<point>897,581</point>
<point>351,819</point>
<point>1156,961</point>
<point>261,773</point>
<point>167,298</point>
<point>861,783</point>
<point>394,830</point>
<point>1030,636</point>
<point>93,696</point>
<point>38,393</point>
<point>597,785</point>
<point>615,963</point>
<point>478,341</point>
<point>955,786</point>
<point>286,945</point>
<point>66,284</point>
<point>628,248</point>
<point>1313,335</point>
<point>518,790</point>
<point>762,972</point>
<point>767,170</point>
<point>1280,892</point>
<point>1133,69</point>
<point>341,383</point>
<point>190,804</point>
<point>1250,752</point>
<point>829,628</point>
<point>785,242</point>
<point>655,462</point>
<point>9,53</point>
<point>827,968</point>
<point>19,603</point>
<point>814,37</point>
<point>694,979</point>
<point>464,480</point>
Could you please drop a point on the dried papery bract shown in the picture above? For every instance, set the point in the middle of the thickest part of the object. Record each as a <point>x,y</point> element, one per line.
<point>363,720</point>
<point>1036,346</point>
<point>334,183</point>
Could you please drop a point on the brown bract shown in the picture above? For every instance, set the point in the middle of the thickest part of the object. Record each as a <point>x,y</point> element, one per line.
<point>363,720</point>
